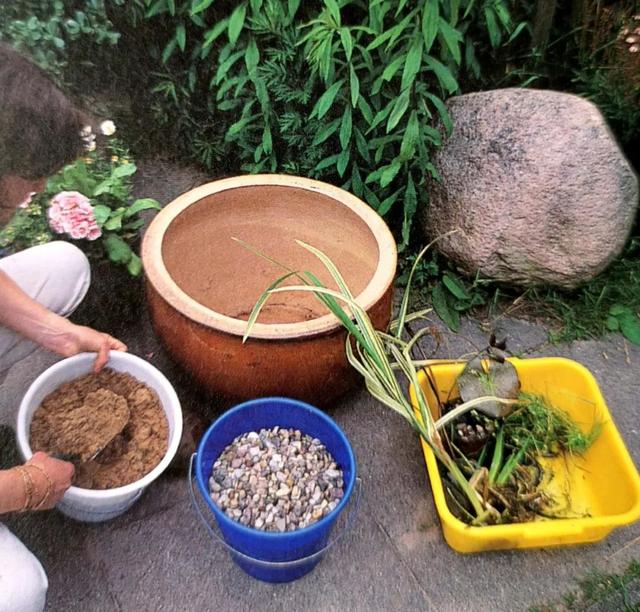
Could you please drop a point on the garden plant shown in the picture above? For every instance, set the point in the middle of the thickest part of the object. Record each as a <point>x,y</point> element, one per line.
<point>489,451</point>
<point>89,203</point>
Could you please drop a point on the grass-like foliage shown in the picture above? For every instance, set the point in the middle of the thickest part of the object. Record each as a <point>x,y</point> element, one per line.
<point>550,430</point>
<point>378,356</point>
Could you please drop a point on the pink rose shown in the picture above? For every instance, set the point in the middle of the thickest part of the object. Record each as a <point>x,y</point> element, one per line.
<point>71,213</point>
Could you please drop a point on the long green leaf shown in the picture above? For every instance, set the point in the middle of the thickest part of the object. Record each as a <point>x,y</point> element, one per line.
<point>236,23</point>
<point>354,85</point>
<point>325,101</point>
<point>347,42</point>
<point>345,128</point>
<point>443,73</point>
<point>412,65</point>
<point>452,39</point>
<point>197,6</point>
<point>399,109</point>
<point>257,308</point>
<point>430,17</point>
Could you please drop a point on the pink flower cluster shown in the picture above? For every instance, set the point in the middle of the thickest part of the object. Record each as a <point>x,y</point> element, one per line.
<point>70,213</point>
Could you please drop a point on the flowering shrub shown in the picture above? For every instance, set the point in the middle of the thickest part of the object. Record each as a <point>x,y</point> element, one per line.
<point>70,212</point>
<point>88,203</point>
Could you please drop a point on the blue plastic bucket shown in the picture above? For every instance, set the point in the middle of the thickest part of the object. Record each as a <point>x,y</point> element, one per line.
<point>274,556</point>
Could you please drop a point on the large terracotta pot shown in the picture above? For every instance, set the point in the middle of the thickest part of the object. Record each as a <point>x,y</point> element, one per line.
<point>202,285</point>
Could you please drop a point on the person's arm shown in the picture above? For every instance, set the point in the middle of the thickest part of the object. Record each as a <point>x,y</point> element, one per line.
<point>38,484</point>
<point>24,315</point>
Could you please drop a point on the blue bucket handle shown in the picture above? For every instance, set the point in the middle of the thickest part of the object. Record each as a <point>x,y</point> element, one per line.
<point>275,564</point>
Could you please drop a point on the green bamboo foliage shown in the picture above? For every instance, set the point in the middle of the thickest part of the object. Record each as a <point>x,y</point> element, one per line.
<point>345,91</point>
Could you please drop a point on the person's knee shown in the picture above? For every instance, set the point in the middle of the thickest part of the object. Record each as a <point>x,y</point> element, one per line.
<point>72,262</point>
<point>23,582</point>
<point>72,276</point>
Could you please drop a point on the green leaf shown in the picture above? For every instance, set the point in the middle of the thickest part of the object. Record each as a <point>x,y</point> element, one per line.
<point>171,5</point>
<point>124,170</point>
<point>492,26</point>
<point>612,323</point>
<point>354,86</point>
<point>251,56</point>
<point>618,309</point>
<point>267,143</point>
<point>347,42</point>
<point>135,265</point>
<point>160,6</point>
<point>117,249</point>
<point>389,72</point>
<point>181,36</point>
<point>444,75</point>
<point>101,213</point>
<point>197,6</point>
<point>326,132</point>
<point>398,110</point>
<point>410,137</point>
<point>503,15</point>
<point>362,145</point>
<point>412,65</point>
<point>168,50</point>
<point>334,10</point>
<point>439,301</point>
<point>236,23</point>
<point>113,223</point>
<point>410,207</point>
<point>442,111</point>
<point>256,5</point>
<point>239,125</point>
<point>214,33</point>
<point>326,100</point>
<point>293,6</point>
<point>389,173</point>
<point>630,327</point>
<point>140,205</point>
<point>326,162</point>
<point>356,181</point>
<point>452,39</point>
<point>430,17</point>
<point>387,203</point>
<point>343,160</point>
<point>345,128</point>
<point>455,287</point>
<point>517,31</point>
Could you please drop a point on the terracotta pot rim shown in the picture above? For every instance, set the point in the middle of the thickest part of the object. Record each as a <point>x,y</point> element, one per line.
<point>159,277</point>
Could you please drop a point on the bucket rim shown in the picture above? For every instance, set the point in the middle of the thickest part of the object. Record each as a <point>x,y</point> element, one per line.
<point>119,360</point>
<point>319,526</point>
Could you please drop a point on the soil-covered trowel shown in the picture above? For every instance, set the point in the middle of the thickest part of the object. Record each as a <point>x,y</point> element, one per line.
<point>89,429</point>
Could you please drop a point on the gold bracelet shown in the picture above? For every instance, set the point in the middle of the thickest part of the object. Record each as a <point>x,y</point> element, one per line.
<point>28,487</point>
<point>49,485</point>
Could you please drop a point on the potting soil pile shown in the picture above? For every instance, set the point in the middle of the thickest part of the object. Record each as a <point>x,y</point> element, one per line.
<point>276,480</point>
<point>81,415</point>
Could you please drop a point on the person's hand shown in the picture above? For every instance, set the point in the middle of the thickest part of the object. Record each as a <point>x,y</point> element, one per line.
<point>51,478</point>
<point>78,338</point>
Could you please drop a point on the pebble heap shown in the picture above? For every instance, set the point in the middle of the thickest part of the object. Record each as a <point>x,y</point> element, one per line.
<point>276,480</point>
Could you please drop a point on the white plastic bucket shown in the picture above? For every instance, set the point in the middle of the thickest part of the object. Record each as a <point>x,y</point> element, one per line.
<point>91,505</point>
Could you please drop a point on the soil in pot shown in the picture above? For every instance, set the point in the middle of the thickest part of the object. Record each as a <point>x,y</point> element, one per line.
<point>277,479</point>
<point>80,414</point>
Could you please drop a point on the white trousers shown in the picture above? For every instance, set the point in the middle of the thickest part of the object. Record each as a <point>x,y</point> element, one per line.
<point>57,275</point>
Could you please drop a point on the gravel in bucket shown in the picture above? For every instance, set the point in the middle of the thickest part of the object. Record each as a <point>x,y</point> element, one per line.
<point>276,480</point>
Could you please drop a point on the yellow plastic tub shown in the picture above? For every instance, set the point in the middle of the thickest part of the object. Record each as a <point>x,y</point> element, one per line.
<point>603,484</point>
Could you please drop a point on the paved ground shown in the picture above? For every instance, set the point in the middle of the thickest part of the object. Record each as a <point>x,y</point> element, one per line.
<point>158,557</point>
